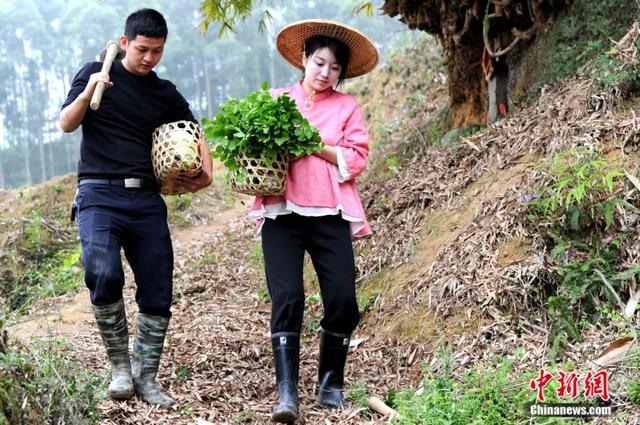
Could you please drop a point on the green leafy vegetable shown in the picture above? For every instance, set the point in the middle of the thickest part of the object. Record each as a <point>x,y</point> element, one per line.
<point>259,124</point>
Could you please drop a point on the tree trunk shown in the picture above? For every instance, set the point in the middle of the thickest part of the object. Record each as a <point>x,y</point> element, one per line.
<point>466,84</point>
<point>67,151</point>
<point>2,182</point>
<point>207,84</point>
<point>49,126</point>
<point>272,69</point>
<point>50,157</point>
<point>43,161</point>
<point>24,132</point>
<point>198,93</point>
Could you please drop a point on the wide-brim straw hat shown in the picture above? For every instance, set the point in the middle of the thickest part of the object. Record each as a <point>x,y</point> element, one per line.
<point>363,53</point>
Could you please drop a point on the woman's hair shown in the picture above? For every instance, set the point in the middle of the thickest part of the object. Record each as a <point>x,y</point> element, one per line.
<point>146,22</point>
<point>338,48</point>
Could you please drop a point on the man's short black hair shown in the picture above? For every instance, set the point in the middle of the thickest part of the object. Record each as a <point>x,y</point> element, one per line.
<point>146,22</point>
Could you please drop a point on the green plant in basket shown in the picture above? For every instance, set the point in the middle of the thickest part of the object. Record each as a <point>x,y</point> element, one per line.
<point>259,128</point>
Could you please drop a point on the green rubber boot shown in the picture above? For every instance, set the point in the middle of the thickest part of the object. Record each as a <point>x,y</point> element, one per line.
<point>112,323</point>
<point>147,349</point>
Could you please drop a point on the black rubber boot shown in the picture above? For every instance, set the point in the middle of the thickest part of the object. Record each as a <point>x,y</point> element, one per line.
<point>333,356</point>
<point>286,356</point>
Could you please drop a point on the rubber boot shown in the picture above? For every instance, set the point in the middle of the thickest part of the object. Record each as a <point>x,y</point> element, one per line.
<point>112,323</point>
<point>286,356</point>
<point>333,356</point>
<point>147,350</point>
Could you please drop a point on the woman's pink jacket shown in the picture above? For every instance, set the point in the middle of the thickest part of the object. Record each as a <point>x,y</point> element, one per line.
<point>316,186</point>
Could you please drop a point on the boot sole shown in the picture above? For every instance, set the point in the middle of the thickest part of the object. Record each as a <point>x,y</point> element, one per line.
<point>284,417</point>
<point>121,395</point>
<point>332,406</point>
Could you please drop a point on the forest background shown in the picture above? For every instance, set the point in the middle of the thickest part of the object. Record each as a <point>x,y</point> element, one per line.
<point>43,43</point>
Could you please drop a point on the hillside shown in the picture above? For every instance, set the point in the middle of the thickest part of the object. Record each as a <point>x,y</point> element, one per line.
<point>498,251</point>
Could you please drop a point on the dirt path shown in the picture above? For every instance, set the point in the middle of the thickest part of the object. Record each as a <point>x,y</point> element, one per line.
<point>70,316</point>
<point>217,359</point>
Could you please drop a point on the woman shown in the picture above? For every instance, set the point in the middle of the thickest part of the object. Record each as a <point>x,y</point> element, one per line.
<point>321,210</point>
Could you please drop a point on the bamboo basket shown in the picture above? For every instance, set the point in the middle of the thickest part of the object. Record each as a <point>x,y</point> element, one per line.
<point>257,178</point>
<point>175,152</point>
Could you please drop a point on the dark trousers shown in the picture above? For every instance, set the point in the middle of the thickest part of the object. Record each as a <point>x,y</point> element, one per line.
<point>111,218</point>
<point>327,240</point>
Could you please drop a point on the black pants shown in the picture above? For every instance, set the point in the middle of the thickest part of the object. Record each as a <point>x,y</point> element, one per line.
<point>111,218</point>
<point>327,240</point>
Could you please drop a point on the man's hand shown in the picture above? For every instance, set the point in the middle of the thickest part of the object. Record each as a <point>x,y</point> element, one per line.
<point>203,179</point>
<point>72,115</point>
<point>94,79</point>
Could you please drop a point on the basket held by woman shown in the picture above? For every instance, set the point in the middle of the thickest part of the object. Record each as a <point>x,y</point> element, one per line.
<point>260,177</point>
<point>256,137</point>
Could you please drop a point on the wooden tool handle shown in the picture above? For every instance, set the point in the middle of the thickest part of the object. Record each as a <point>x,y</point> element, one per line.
<point>112,50</point>
<point>379,406</point>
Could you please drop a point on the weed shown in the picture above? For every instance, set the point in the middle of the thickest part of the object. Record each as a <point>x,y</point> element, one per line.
<point>304,340</point>
<point>254,257</point>
<point>207,260</point>
<point>611,72</point>
<point>580,191</point>
<point>367,299</point>
<point>183,373</point>
<point>34,231</point>
<point>316,297</point>
<point>37,383</point>
<point>263,294</point>
<point>579,36</point>
<point>484,394</point>
<point>243,417</point>
<point>313,324</point>
<point>576,210</point>
<point>634,391</point>
<point>358,394</point>
<point>435,132</point>
<point>177,205</point>
<point>54,276</point>
<point>255,261</point>
<point>393,165</point>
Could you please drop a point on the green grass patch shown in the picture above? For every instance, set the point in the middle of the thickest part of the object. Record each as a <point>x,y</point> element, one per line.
<point>485,394</point>
<point>39,386</point>
<point>580,34</point>
<point>56,275</point>
<point>576,210</point>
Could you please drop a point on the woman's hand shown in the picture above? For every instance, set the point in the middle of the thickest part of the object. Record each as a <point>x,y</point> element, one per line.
<point>328,153</point>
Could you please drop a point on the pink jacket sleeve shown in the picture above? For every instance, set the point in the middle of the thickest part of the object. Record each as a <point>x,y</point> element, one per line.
<point>354,145</point>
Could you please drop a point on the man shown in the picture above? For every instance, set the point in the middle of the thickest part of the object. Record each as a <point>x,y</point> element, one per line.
<point>118,202</point>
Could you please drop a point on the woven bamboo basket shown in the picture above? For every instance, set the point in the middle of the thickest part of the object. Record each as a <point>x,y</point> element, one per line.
<point>257,178</point>
<point>175,152</point>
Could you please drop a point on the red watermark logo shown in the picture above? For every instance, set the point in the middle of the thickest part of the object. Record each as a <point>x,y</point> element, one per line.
<point>594,384</point>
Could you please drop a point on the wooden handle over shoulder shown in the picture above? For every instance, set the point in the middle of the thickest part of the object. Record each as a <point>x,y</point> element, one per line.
<point>112,50</point>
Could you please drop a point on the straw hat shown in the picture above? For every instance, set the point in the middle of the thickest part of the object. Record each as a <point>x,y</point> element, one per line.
<point>363,55</point>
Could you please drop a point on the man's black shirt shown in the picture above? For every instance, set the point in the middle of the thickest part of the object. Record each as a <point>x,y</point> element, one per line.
<point>116,139</point>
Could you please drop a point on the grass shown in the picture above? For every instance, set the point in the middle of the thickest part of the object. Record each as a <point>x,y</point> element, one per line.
<point>54,276</point>
<point>577,210</point>
<point>485,394</point>
<point>580,34</point>
<point>39,386</point>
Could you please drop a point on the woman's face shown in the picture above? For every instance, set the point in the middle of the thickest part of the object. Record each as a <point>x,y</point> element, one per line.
<point>321,70</point>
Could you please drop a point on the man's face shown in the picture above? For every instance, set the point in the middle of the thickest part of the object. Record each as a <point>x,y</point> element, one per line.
<point>143,53</point>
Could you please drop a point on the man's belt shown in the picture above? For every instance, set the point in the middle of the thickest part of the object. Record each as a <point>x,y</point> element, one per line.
<point>132,183</point>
